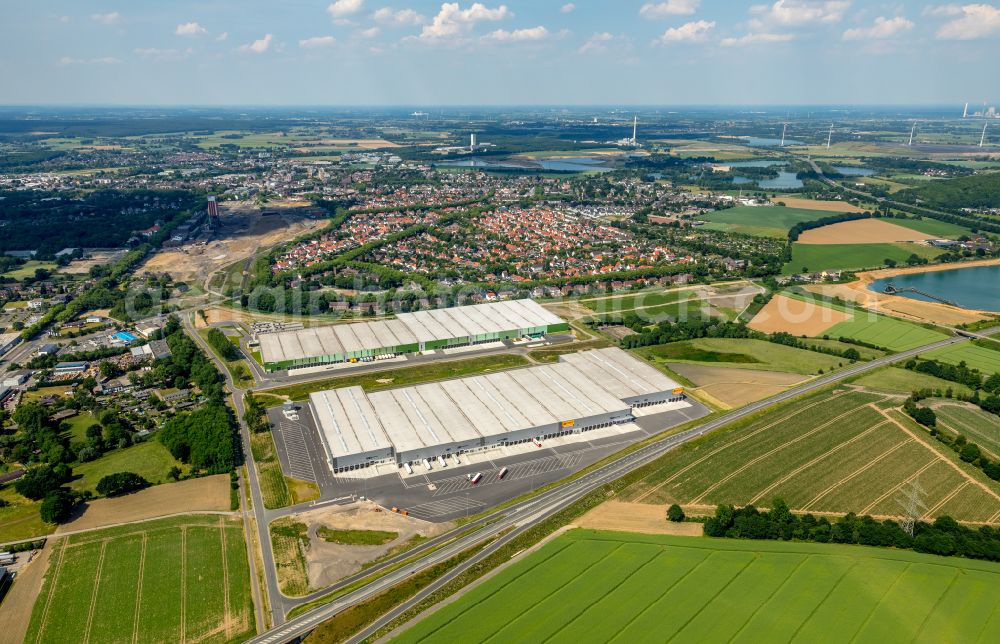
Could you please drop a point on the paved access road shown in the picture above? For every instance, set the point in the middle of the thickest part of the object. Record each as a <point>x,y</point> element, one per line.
<point>522,516</point>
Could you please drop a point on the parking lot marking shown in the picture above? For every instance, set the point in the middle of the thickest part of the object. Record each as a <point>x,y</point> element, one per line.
<point>299,460</point>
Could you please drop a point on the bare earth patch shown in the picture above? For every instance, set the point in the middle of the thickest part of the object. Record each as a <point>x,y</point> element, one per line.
<point>636,517</point>
<point>862,231</point>
<point>796,317</point>
<point>206,494</point>
<point>735,387</point>
<point>328,562</point>
<point>16,613</point>
<point>815,204</point>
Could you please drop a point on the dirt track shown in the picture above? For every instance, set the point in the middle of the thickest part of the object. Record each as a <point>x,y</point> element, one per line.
<point>16,610</point>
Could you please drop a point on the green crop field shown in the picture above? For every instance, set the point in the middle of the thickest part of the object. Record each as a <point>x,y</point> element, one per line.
<point>986,360</point>
<point>824,257</point>
<point>941,229</point>
<point>636,300</point>
<point>593,586</point>
<point>170,580</point>
<point>885,331</point>
<point>829,452</point>
<point>761,220</point>
<point>150,460</point>
<point>975,424</point>
<point>903,381</point>
<point>742,353</point>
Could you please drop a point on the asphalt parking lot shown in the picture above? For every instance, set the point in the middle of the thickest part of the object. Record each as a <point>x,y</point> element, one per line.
<point>444,494</point>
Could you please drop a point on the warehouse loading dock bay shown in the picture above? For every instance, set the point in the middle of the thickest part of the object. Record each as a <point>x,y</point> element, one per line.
<point>416,446</point>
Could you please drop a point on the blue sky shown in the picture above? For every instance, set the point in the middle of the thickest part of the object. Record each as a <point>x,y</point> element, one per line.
<point>417,52</point>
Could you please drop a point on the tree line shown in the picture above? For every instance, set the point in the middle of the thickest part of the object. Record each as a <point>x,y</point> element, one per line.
<point>945,536</point>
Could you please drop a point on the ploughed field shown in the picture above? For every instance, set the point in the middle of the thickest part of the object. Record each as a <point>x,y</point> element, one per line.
<point>832,452</point>
<point>170,580</point>
<point>590,586</point>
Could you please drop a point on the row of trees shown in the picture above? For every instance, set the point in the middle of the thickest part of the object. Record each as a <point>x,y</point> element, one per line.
<point>222,345</point>
<point>944,537</point>
<point>968,451</point>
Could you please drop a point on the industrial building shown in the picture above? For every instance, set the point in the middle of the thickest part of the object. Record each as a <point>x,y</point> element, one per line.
<point>408,333</point>
<point>418,424</point>
<point>8,341</point>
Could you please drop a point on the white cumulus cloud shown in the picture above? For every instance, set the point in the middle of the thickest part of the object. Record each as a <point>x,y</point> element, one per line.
<point>756,39</point>
<point>317,42</point>
<point>794,13</point>
<point>881,29</point>
<point>452,20</point>
<point>344,8</point>
<point>970,22</point>
<point>258,46</point>
<point>190,29</point>
<point>655,10</point>
<point>398,18</point>
<point>567,8</point>
<point>518,35</point>
<point>222,37</point>
<point>597,43</point>
<point>112,18</point>
<point>696,31</point>
<point>371,32</point>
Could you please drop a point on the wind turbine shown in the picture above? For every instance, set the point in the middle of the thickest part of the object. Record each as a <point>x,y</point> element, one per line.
<point>829,137</point>
<point>965,112</point>
<point>982,139</point>
<point>912,130</point>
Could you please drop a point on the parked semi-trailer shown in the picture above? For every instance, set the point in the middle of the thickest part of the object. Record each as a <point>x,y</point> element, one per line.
<point>502,473</point>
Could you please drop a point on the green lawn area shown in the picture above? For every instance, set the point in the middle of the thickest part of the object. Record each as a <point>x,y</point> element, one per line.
<point>273,484</point>
<point>41,392</point>
<point>19,518</point>
<point>941,229</point>
<point>742,353</point>
<point>593,586</point>
<point>821,257</point>
<point>977,357</point>
<point>975,424</point>
<point>356,537</point>
<point>837,345</point>
<point>28,269</point>
<point>649,298</point>
<point>170,580</point>
<point>763,221</point>
<point>904,381</point>
<point>883,331</point>
<point>150,460</point>
<point>405,375</point>
<point>78,426</point>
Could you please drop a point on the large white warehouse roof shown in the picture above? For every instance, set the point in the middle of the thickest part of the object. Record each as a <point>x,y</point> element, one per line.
<point>464,411</point>
<point>406,329</point>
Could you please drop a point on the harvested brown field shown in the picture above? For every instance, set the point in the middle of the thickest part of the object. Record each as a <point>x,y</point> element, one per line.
<point>862,231</point>
<point>636,517</point>
<point>796,317</point>
<point>205,494</point>
<point>735,387</point>
<point>816,204</point>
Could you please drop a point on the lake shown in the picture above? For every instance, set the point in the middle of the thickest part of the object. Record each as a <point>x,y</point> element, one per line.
<point>854,171</point>
<point>784,181</point>
<point>758,142</point>
<point>759,163</point>
<point>975,287</point>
